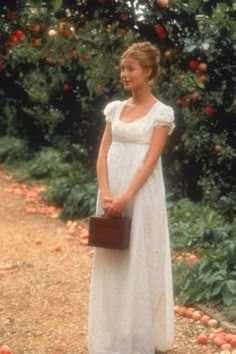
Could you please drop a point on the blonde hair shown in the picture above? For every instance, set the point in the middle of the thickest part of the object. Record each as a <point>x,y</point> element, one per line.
<point>146,54</point>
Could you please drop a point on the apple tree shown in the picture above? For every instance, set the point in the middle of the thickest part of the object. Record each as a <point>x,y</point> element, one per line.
<point>59,65</point>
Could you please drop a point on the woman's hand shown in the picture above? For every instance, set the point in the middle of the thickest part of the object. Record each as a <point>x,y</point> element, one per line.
<point>106,202</point>
<point>117,205</point>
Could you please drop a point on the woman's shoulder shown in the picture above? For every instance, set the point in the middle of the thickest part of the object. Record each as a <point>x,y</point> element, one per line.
<point>111,106</point>
<point>163,114</point>
<point>163,109</point>
<point>110,110</point>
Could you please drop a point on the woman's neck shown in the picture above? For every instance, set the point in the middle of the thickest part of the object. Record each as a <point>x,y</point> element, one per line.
<point>142,96</point>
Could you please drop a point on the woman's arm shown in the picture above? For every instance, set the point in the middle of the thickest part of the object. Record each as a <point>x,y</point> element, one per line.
<point>157,144</point>
<point>101,166</point>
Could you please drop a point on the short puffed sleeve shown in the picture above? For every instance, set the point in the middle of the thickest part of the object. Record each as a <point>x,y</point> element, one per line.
<point>110,110</point>
<point>165,117</point>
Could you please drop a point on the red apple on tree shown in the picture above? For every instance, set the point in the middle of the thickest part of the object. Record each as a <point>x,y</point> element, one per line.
<point>66,33</point>
<point>85,57</point>
<point>163,3</point>
<point>202,67</point>
<point>209,110</point>
<point>19,35</point>
<point>160,31</point>
<point>73,53</point>
<point>36,42</point>
<point>183,102</point>
<point>35,28</point>
<point>66,87</point>
<point>124,16</point>
<point>193,64</point>
<point>12,40</point>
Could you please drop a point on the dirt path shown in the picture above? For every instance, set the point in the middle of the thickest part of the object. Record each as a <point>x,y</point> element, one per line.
<point>44,293</point>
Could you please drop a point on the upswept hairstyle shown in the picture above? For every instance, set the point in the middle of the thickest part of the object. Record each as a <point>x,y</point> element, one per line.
<point>146,54</point>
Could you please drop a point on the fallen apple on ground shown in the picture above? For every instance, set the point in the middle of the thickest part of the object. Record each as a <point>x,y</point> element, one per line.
<point>202,339</point>
<point>197,315</point>
<point>5,350</point>
<point>226,346</point>
<point>212,323</point>
<point>58,248</point>
<point>204,319</point>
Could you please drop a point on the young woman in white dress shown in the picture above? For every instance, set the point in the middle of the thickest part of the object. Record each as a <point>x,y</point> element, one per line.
<point>131,295</point>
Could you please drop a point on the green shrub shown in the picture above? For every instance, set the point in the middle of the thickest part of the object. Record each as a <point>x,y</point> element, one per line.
<point>190,223</point>
<point>76,194</point>
<point>49,163</point>
<point>13,149</point>
<point>58,84</point>
<point>211,280</point>
<point>80,201</point>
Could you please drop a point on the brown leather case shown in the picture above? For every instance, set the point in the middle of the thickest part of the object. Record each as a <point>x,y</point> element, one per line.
<point>109,231</point>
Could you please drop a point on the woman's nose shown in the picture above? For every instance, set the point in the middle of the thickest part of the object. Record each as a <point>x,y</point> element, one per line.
<point>123,74</point>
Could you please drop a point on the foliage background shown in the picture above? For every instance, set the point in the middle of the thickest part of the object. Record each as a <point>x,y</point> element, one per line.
<point>60,65</point>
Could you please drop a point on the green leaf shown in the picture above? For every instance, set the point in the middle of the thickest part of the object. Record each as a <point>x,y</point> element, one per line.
<point>227,296</point>
<point>217,288</point>
<point>231,286</point>
<point>194,5</point>
<point>227,300</point>
<point>56,4</point>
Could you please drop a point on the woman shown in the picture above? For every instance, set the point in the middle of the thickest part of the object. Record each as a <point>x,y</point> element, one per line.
<point>131,299</point>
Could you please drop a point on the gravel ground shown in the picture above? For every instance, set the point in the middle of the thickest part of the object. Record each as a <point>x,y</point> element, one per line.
<point>44,292</point>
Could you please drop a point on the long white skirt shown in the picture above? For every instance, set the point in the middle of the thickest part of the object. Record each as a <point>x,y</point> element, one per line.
<point>131,295</point>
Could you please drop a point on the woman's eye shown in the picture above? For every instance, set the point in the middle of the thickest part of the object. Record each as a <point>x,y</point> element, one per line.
<point>127,68</point>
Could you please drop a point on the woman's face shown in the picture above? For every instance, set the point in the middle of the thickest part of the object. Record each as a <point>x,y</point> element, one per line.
<point>133,75</point>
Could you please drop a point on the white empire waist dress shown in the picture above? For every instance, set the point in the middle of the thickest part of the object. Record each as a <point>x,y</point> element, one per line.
<point>131,294</point>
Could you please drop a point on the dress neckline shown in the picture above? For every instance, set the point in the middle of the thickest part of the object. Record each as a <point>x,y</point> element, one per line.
<point>137,119</point>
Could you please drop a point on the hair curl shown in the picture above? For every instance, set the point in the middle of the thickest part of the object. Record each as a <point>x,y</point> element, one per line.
<point>146,54</point>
